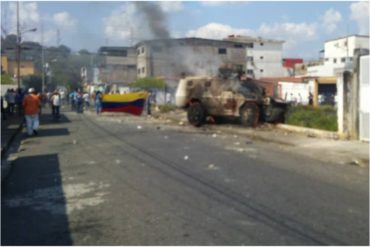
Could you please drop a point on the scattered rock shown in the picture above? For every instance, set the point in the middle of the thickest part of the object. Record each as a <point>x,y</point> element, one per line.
<point>186,157</point>
<point>74,142</point>
<point>236,143</point>
<point>139,127</point>
<point>248,141</point>
<point>212,167</point>
<point>359,162</point>
<point>181,123</point>
<point>312,135</point>
<point>166,137</point>
<point>214,135</point>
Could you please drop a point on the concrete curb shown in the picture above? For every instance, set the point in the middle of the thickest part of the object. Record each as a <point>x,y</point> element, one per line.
<point>6,162</point>
<point>5,149</point>
<point>309,132</point>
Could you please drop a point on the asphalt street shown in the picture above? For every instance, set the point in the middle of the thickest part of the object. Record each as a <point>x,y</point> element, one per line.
<point>104,180</point>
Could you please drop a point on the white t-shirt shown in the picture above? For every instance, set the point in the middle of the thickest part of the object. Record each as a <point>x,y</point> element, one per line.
<point>55,100</point>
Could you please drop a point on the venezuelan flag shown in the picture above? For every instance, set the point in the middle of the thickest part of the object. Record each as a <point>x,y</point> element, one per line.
<point>131,102</point>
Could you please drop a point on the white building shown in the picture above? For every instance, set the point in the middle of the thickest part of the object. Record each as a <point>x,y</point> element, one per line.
<point>338,54</point>
<point>263,56</point>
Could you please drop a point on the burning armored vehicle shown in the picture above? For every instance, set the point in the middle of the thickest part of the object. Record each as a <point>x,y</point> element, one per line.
<point>221,96</point>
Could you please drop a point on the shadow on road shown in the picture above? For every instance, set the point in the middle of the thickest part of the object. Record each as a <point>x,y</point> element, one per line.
<point>34,192</point>
<point>52,132</point>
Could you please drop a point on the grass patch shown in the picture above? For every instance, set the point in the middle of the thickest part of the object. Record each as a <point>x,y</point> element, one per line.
<point>166,108</point>
<point>324,117</point>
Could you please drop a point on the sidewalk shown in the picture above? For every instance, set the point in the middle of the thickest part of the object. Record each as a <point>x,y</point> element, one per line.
<point>9,130</point>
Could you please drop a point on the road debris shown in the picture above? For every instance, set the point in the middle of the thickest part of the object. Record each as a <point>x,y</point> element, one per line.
<point>186,157</point>
<point>212,167</point>
<point>139,127</point>
<point>74,142</point>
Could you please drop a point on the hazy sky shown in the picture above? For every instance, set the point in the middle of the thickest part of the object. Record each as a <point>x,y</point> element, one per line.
<point>90,24</point>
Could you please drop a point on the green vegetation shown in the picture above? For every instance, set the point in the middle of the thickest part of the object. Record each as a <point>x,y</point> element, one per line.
<point>33,81</point>
<point>166,108</point>
<point>6,79</point>
<point>149,83</point>
<point>324,117</point>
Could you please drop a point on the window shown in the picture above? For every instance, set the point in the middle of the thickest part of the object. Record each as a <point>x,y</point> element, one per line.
<point>334,60</point>
<point>239,67</point>
<point>250,71</point>
<point>142,49</point>
<point>138,71</point>
<point>143,70</point>
<point>238,46</point>
<point>261,70</point>
<point>250,59</point>
<point>343,60</point>
<point>138,51</point>
<point>351,59</point>
<point>326,59</point>
<point>261,57</point>
<point>221,50</point>
<point>261,44</point>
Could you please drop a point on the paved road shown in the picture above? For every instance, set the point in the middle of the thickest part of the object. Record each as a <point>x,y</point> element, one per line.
<point>90,180</point>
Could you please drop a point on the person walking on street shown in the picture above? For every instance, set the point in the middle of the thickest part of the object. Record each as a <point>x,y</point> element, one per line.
<point>10,98</point>
<point>3,110</point>
<point>79,101</point>
<point>55,104</point>
<point>86,99</point>
<point>31,106</point>
<point>98,102</point>
<point>19,101</point>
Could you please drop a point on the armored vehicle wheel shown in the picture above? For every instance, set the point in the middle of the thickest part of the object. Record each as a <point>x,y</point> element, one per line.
<point>249,115</point>
<point>196,114</point>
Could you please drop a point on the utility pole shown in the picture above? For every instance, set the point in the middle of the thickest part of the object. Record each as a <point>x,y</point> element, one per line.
<point>18,49</point>
<point>42,58</point>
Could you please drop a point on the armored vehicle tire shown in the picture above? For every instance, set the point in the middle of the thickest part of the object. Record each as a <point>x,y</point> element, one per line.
<point>249,114</point>
<point>196,114</point>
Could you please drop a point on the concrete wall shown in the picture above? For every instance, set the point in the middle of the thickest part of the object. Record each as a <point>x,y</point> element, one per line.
<point>192,57</point>
<point>364,98</point>
<point>267,59</point>
<point>342,51</point>
<point>342,48</point>
<point>294,92</point>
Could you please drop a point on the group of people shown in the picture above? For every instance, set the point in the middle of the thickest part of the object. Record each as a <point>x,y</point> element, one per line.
<point>80,101</point>
<point>30,104</point>
<point>11,102</point>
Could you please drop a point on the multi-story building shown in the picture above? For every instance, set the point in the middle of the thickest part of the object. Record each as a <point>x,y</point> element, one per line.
<point>339,54</point>
<point>117,65</point>
<point>10,67</point>
<point>263,56</point>
<point>172,58</point>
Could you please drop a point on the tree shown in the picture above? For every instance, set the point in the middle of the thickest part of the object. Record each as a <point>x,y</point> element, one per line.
<point>33,81</point>
<point>149,83</point>
<point>84,52</point>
